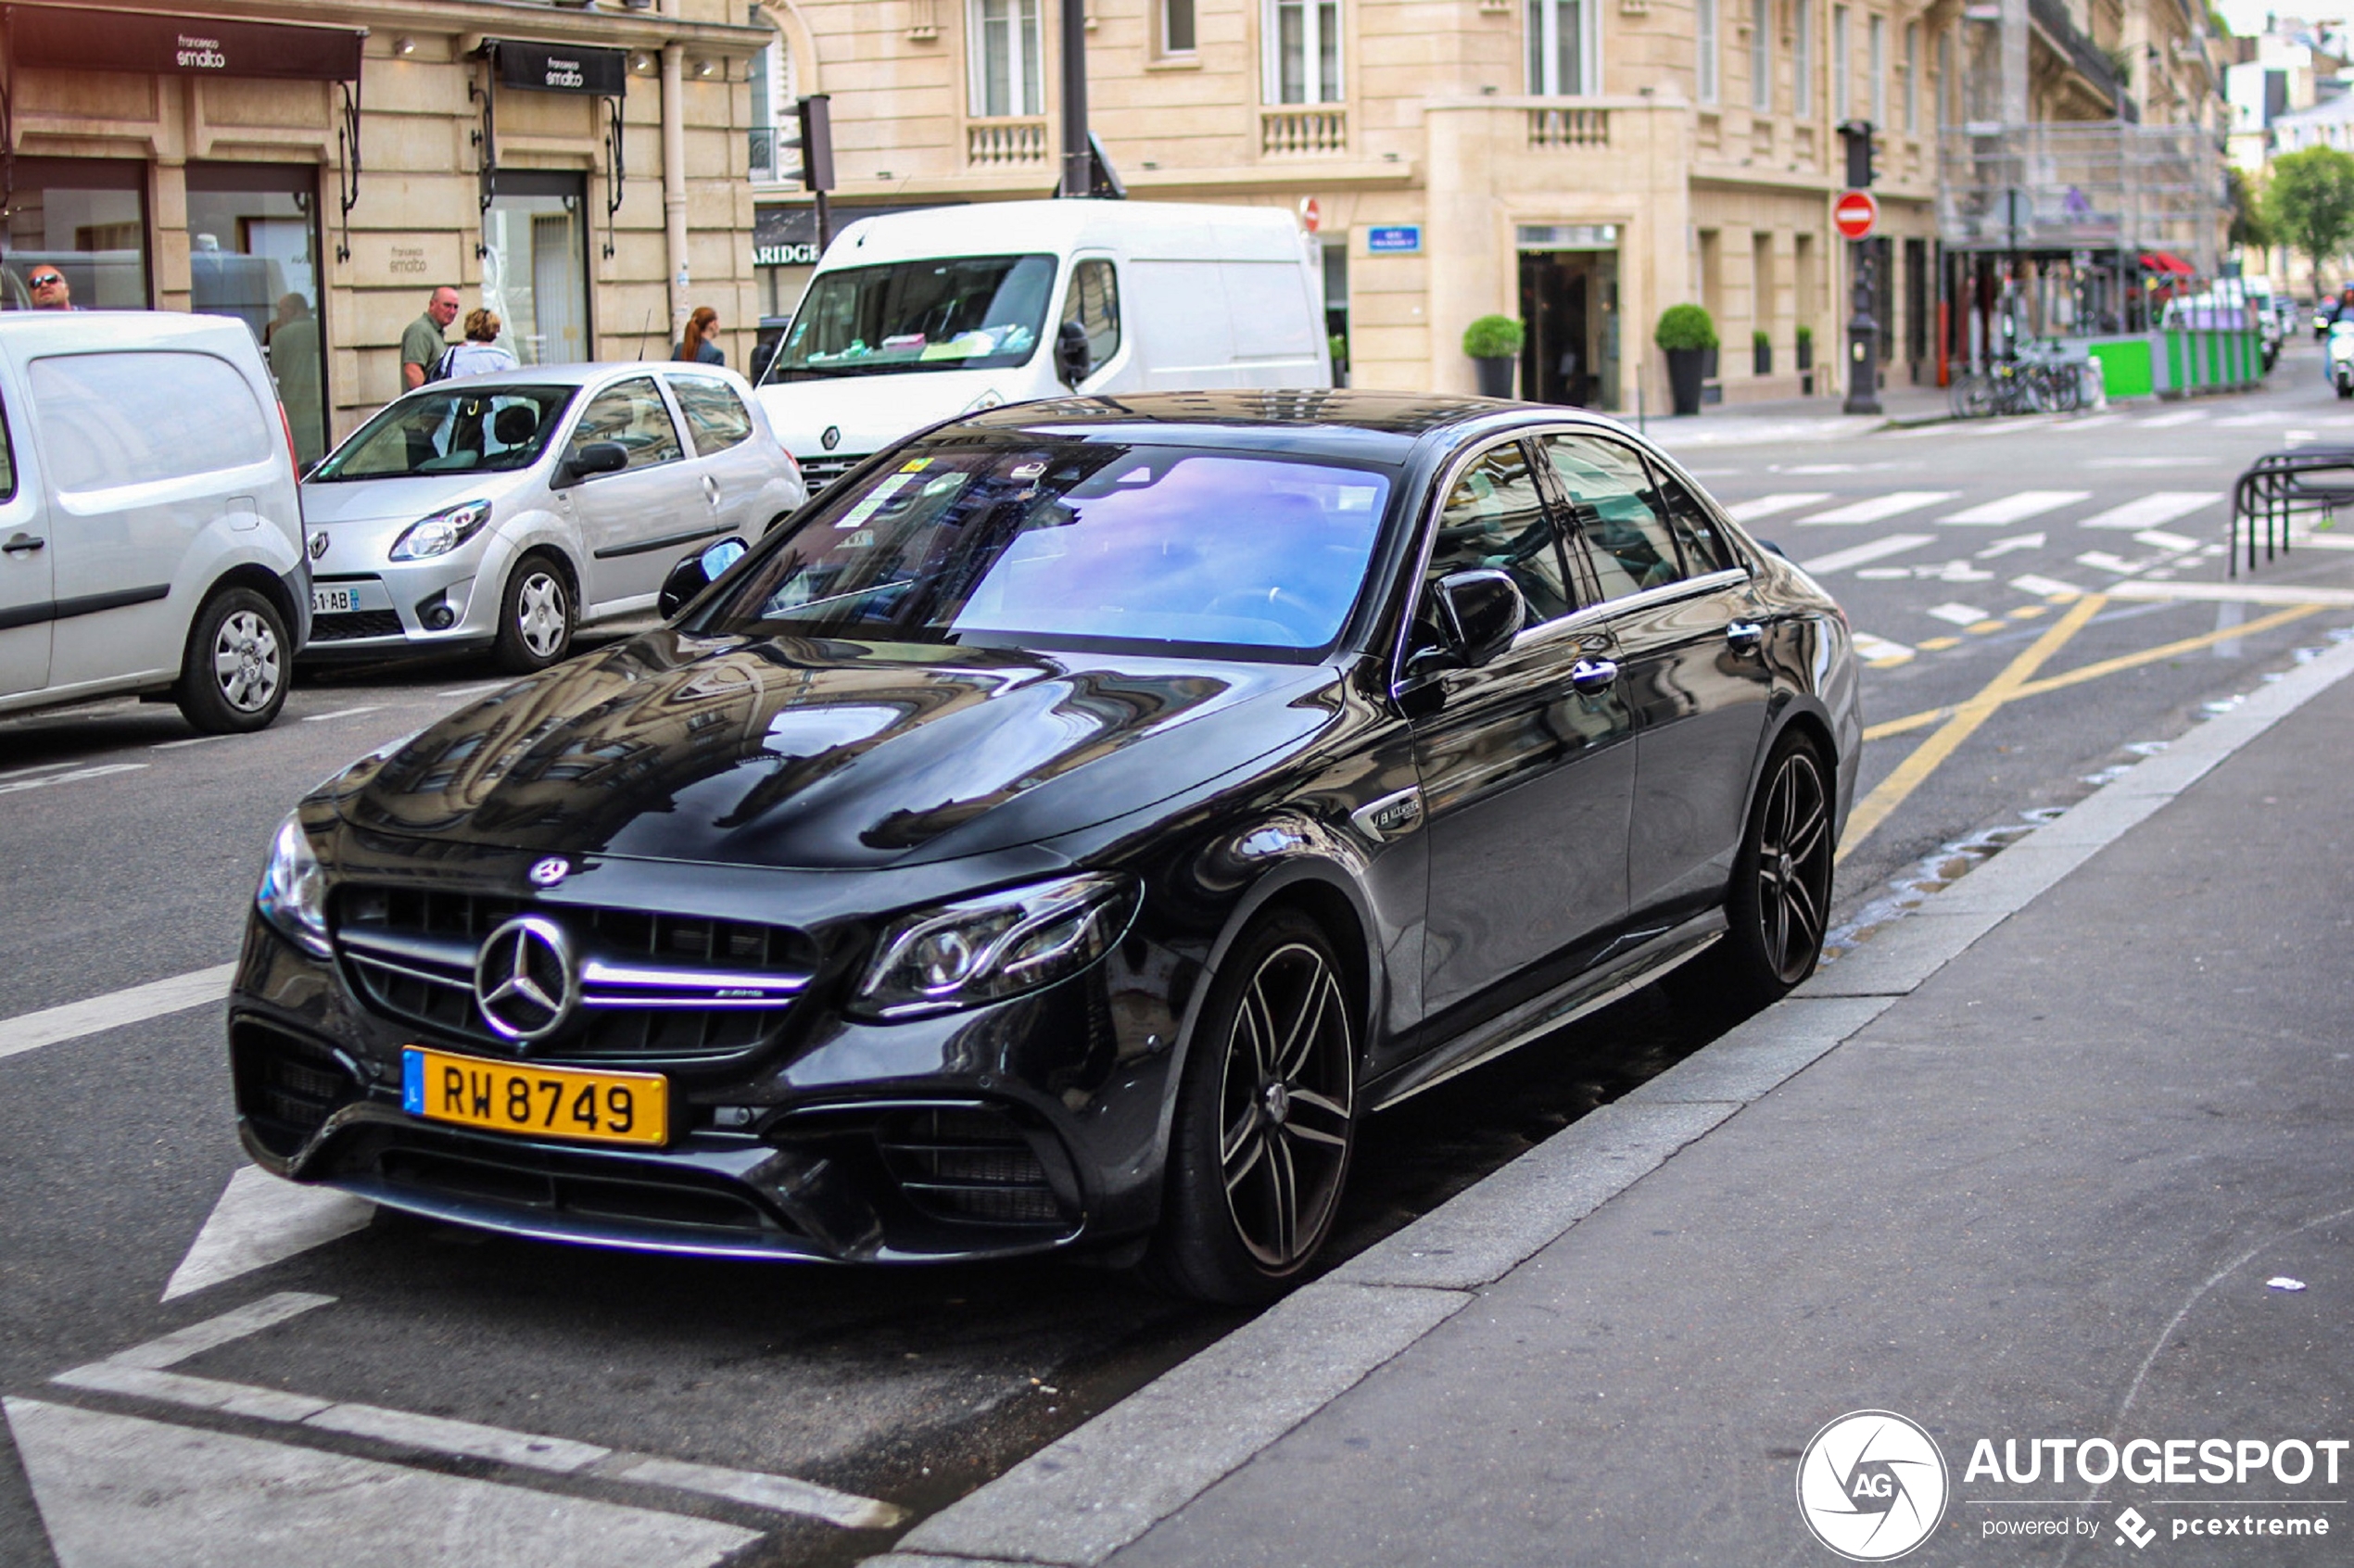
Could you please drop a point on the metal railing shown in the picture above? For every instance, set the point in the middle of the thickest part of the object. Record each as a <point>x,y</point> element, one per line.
<point>2310,481</point>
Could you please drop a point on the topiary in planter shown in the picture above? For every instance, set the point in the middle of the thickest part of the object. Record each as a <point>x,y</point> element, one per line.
<point>1761,353</point>
<point>1493,343</point>
<point>1684,326</point>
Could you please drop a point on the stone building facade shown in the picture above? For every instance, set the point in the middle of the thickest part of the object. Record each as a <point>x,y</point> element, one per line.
<point>1581,164</point>
<point>316,167</point>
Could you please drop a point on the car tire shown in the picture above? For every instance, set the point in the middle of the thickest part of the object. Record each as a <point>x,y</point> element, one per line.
<point>1780,899</point>
<point>536,616</point>
<point>1266,1120</point>
<point>234,675</point>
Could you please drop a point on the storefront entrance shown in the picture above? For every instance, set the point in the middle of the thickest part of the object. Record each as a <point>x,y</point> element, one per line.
<point>1569,301</point>
<point>534,264</point>
<point>253,253</point>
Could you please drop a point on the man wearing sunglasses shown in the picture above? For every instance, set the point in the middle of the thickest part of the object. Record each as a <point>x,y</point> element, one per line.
<point>50,290</point>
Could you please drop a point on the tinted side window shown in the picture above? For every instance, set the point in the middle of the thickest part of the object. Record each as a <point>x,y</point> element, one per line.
<point>1627,541</point>
<point>1706,546</point>
<point>7,459</point>
<point>633,414</point>
<point>135,418</point>
<point>1094,303</point>
<point>715,416</point>
<point>1495,517</point>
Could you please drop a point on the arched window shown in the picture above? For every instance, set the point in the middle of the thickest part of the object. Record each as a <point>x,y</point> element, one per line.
<point>776,128</point>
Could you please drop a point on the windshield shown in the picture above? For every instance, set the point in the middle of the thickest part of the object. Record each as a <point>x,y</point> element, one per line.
<point>966,312</point>
<point>477,430</point>
<point>1050,544</point>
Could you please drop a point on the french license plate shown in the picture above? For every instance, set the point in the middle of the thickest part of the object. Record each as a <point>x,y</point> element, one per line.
<point>600,1108</point>
<point>334,601</point>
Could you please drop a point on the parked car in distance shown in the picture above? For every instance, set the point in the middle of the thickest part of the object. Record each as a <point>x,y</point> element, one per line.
<point>506,510</point>
<point>1063,835</point>
<point>150,524</point>
<point>916,317</point>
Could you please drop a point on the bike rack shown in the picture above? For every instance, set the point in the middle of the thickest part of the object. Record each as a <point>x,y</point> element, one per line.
<point>2280,486</point>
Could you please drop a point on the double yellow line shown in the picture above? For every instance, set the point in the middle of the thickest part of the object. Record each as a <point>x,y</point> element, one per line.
<point>1960,720</point>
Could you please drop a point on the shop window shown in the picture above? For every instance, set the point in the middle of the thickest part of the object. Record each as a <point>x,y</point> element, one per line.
<point>1303,51</point>
<point>1008,66</point>
<point>253,253</point>
<point>535,267</point>
<point>87,219</point>
<point>1563,55</point>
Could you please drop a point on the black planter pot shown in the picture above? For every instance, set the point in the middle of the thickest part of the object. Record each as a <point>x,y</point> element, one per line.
<point>1708,370</point>
<point>1687,369</point>
<point>1495,377</point>
<point>1805,353</point>
<point>1761,359</point>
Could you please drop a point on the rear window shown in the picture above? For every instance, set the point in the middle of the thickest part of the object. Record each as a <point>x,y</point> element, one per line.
<point>132,418</point>
<point>715,416</point>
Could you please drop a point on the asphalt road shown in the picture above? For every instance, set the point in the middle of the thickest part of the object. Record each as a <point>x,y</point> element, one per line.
<point>128,853</point>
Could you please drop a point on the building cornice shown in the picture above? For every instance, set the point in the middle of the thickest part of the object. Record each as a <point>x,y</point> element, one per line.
<point>492,19</point>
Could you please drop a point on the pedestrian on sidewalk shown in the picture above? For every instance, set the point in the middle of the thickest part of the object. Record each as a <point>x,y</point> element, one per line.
<point>480,354</point>
<point>422,344</point>
<point>697,346</point>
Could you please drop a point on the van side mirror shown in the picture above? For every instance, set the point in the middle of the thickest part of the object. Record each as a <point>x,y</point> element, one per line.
<point>1479,614</point>
<point>597,457</point>
<point>1073,358</point>
<point>697,572</point>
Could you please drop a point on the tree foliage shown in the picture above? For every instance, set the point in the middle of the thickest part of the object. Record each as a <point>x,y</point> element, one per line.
<point>2310,201</point>
<point>2251,223</point>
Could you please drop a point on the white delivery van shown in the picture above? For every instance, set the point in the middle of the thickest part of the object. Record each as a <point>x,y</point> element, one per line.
<point>914,317</point>
<point>150,526</point>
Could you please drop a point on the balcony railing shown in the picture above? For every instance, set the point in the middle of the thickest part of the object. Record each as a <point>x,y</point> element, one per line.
<point>1006,143</point>
<point>1303,133</point>
<point>1569,128</point>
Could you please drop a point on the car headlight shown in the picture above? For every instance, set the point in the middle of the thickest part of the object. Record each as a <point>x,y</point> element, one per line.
<point>990,948</point>
<point>293,895</point>
<point>442,533</point>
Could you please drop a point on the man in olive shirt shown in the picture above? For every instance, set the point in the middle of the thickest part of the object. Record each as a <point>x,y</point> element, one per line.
<point>420,346</point>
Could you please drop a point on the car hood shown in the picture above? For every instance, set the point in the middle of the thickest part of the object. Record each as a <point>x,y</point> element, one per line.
<point>827,755</point>
<point>373,500</point>
<point>871,410</point>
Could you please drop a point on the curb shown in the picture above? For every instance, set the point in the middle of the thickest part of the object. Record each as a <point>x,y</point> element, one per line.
<point>1102,1486</point>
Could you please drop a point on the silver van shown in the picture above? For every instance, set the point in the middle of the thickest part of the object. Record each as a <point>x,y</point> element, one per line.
<point>150,518</point>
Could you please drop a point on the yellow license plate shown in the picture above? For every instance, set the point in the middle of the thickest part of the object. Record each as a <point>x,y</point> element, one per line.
<point>551,1102</point>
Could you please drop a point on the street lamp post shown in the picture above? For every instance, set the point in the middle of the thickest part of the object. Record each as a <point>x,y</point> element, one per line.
<point>1079,176</point>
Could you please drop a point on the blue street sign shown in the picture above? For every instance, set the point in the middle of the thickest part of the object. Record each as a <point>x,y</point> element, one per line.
<point>1396,239</point>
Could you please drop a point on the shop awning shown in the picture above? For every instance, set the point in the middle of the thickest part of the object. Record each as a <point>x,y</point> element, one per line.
<point>69,38</point>
<point>560,67</point>
<point>2167,261</point>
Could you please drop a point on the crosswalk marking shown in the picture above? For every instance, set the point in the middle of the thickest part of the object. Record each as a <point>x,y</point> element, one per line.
<point>1878,651</point>
<point>2046,588</point>
<point>1770,506</point>
<point>1958,615</point>
<point>2015,507</point>
<point>2234,593</point>
<point>2152,511</point>
<point>1878,508</point>
<point>2158,539</point>
<point>2101,559</point>
<point>2168,421</point>
<point>2249,420</point>
<point>1856,555</point>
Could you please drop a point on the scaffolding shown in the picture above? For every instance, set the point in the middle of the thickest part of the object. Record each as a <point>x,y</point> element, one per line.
<point>2069,187</point>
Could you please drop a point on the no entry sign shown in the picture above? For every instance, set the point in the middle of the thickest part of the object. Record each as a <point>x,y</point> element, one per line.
<point>1855,214</point>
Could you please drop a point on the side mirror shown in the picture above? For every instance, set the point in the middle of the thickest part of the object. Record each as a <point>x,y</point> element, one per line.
<point>1479,612</point>
<point>697,572</point>
<point>1073,358</point>
<point>597,457</point>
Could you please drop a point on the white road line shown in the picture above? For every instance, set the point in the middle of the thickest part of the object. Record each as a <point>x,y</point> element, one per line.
<point>118,1489</point>
<point>2158,539</point>
<point>2093,421</point>
<point>1958,614</point>
<point>1878,508</point>
<point>30,1031</point>
<point>1879,652</point>
<point>1759,507</point>
<point>2015,508</point>
<point>75,777</point>
<point>2311,541</point>
<point>488,687</point>
<point>468,1439</point>
<point>2168,421</point>
<point>344,713</point>
<point>41,767</point>
<point>261,1221</point>
<point>2101,559</point>
<point>2046,588</point>
<point>2011,545</point>
<point>2233,593</point>
<point>1856,555</point>
<point>2178,462</point>
<point>2151,511</point>
<point>2248,421</point>
<point>190,741</point>
<point>213,1332</point>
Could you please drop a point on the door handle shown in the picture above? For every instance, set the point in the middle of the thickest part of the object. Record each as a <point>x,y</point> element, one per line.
<point>711,490</point>
<point>1745,635</point>
<point>21,543</point>
<point>1591,676</point>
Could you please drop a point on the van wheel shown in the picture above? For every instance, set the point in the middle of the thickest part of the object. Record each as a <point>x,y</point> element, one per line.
<point>534,616</point>
<point>1266,1120</point>
<point>233,677</point>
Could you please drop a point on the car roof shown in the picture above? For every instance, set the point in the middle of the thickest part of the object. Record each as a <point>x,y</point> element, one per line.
<point>29,332</point>
<point>1177,231</point>
<point>587,373</point>
<point>1362,425</point>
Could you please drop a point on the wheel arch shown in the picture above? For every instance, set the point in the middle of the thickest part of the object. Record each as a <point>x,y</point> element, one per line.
<point>264,581</point>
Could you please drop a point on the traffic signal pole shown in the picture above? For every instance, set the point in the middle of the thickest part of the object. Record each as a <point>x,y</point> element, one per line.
<point>1863,330</point>
<point>1078,166</point>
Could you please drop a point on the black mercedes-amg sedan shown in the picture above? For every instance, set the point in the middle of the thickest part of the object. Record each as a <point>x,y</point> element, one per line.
<point>1062,835</point>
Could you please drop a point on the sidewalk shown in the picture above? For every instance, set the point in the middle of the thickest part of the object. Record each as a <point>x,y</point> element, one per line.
<point>2041,1162</point>
<point>1792,418</point>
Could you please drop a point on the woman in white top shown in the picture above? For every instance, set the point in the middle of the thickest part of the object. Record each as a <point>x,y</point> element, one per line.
<point>479,354</point>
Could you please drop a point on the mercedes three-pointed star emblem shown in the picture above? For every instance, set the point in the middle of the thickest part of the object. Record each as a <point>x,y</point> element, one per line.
<point>523,979</point>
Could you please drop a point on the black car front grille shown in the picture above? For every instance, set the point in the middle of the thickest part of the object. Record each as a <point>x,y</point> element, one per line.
<point>820,471</point>
<point>355,623</point>
<point>969,1165</point>
<point>287,1086</point>
<point>556,1185</point>
<point>651,987</point>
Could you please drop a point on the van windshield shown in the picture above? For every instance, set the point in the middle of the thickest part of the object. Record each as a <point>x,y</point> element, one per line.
<point>963,312</point>
<point>477,430</point>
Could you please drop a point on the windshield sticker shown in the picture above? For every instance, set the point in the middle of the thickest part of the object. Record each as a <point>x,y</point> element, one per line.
<point>862,540</point>
<point>1026,471</point>
<point>914,465</point>
<point>890,486</point>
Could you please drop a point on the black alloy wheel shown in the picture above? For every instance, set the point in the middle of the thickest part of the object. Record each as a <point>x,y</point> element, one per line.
<point>1782,878</point>
<point>1266,1120</point>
